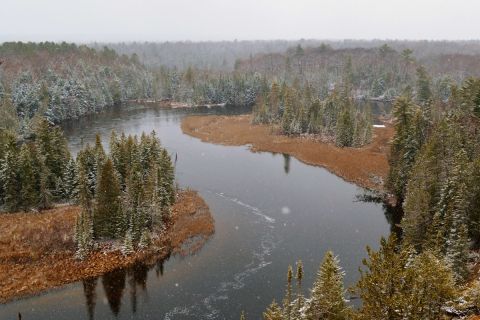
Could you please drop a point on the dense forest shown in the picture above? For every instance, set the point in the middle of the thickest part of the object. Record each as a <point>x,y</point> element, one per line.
<point>222,55</point>
<point>378,69</point>
<point>61,81</point>
<point>124,195</point>
<point>434,174</point>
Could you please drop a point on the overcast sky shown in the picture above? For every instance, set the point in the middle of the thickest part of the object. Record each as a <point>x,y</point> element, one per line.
<point>162,20</point>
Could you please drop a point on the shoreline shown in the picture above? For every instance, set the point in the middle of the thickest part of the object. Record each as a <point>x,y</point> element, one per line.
<point>366,167</point>
<point>37,249</point>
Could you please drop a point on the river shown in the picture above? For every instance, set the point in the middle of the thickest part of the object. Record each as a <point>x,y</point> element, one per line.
<point>269,211</point>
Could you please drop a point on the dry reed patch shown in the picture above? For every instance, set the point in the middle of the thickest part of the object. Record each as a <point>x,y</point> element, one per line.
<point>37,249</point>
<point>366,166</point>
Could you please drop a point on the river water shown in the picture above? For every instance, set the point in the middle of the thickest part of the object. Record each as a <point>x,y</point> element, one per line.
<point>269,209</point>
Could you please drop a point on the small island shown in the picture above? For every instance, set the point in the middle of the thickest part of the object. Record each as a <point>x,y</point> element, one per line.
<point>93,214</point>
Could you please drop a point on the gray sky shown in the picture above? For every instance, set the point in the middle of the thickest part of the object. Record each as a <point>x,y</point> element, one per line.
<point>160,20</point>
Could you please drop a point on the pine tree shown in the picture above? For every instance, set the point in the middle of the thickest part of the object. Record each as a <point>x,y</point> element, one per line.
<point>28,193</point>
<point>242,315</point>
<point>107,215</point>
<point>83,235</point>
<point>449,233</point>
<point>288,114</point>
<point>45,200</point>
<point>167,179</point>
<point>10,173</point>
<point>344,129</point>
<point>287,302</point>
<point>424,93</point>
<point>327,297</point>
<point>84,193</point>
<point>145,239</point>
<point>70,181</point>
<point>299,301</point>
<point>273,312</point>
<point>127,247</point>
<point>381,285</point>
<point>404,147</point>
<point>431,286</point>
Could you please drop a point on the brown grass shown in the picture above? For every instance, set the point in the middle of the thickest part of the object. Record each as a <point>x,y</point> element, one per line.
<point>37,249</point>
<point>367,166</point>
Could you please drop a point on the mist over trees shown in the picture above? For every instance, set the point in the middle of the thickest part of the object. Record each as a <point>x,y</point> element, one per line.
<point>222,55</point>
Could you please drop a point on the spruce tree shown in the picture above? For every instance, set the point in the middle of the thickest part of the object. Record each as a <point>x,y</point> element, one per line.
<point>45,199</point>
<point>287,301</point>
<point>344,129</point>
<point>10,172</point>
<point>83,235</point>
<point>273,312</point>
<point>431,286</point>
<point>299,302</point>
<point>242,315</point>
<point>288,114</point>
<point>70,181</point>
<point>167,179</point>
<point>382,284</point>
<point>404,147</point>
<point>127,247</point>
<point>424,92</point>
<point>327,297</point>
<point>28,191</point>
<point>107,215</point>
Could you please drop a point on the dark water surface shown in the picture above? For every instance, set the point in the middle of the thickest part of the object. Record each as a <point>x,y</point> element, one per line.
<point>269,211</point>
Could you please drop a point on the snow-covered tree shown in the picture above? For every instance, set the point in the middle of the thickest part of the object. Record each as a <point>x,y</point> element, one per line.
<point>327,300</point>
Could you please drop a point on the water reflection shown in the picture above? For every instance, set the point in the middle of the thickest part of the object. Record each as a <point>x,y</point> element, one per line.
<point>114,285</point>
<point>286,163</point>
<point>89,289</point>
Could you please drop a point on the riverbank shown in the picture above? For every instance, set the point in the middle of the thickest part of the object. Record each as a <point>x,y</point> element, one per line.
<point>366,166</point>
<point>37,249</point>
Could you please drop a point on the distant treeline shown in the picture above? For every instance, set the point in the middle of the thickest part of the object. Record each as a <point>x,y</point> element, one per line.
<point>222,55</point>
<point>63,81</point>
<point>376,70</point>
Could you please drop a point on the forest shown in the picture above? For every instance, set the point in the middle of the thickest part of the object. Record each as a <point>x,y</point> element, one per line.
<point>62,81</point>
<point>317,90</point>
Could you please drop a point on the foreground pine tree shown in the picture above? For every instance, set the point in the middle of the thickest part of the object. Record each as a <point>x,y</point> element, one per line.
<point>399,284</point>
<point>273,312</point>
<point>327,300</point>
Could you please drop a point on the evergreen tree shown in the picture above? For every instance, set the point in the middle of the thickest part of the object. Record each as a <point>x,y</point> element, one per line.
<point>299,302</point>
<point>127,247</point>
<point>273,312</point>
<point>404,147</point>
<point>28,191</point>
<point>287,302</point>
<point>344,129</point>
<point>242,315</point>
<point>10,173</point>
<point>167,179</point>
<point>381,285</point>
<point>83,235</point>
<point>70,181</point>
<point>44,195</point>
<point>107,215</point>
<point>327,297</point>
<point>288,114</point>
<point>431,286</point>
<point>424,92</point>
